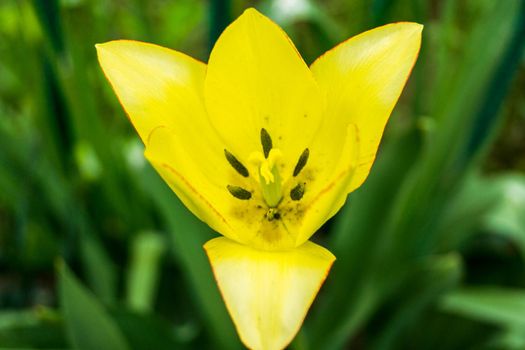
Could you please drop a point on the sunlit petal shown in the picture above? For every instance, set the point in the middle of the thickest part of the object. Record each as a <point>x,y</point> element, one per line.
<point>158,87</point>
<point>362,79</point>
<point>256,79</point>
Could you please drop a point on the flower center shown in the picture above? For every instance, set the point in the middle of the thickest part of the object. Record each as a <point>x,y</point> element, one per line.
<point>269,178</point>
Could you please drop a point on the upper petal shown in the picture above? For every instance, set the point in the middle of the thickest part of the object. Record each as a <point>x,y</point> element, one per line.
<point>162,92</point>
<point>268,293</point>
<point>362,79</point>
<point>256,79</point>
<point>156,86</point>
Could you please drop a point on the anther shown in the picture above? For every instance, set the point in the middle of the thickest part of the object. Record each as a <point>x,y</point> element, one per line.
<point>239,192</point>
<point>234,162</point>
<point>297,192</point>
<point>266,142</point>
<point>303,158</point>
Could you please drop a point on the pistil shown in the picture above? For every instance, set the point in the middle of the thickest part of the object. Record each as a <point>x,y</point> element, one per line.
<point>269,177</point>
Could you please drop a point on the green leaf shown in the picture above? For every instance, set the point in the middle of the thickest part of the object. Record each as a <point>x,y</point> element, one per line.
<point>100,270</point>
<point>48,13</point>
<point>220,17</point>
<point>511,339</point>
<point>88,324</point>
<point>508,214</point>
<point>503,307</point>
<point>146,332</point>
<point>430,279</point>
<point>40,328</point>
<point>494,204</point>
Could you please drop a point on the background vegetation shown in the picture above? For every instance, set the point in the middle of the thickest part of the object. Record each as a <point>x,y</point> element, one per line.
<point>97,253</point>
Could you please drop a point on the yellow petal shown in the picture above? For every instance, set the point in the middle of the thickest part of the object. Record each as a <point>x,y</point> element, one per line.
<point>268,293</point>
<point>256,79</point>
<point>162,92</point>
<point>157,86</point>
<point>197,173</point>
<point>362,79</point>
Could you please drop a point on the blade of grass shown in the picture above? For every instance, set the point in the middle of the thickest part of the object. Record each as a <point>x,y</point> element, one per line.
<point>89,325</point>
<point>431,279</point>
<point>504,307</point>
<point>100,271</point>
<point>48,13</point>
<point>220,17</point>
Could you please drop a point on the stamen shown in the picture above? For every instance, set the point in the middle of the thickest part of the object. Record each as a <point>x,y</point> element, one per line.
<point>266,142</point>
<point>239,192</point>
<point>303,158</point>
<point>297,192</point>
<point>234,162</point>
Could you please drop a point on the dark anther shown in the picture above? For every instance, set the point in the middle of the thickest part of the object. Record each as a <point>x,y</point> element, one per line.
<point>239,192</point>
<point>234,162</point>
<point>266,142</point>
<point>273,214</point>
<point>303,158</point>
<point>297,192</point>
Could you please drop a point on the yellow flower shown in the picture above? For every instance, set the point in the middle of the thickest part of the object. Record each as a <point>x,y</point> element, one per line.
<point>264,149</point>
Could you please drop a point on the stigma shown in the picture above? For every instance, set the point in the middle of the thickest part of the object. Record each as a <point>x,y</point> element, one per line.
<point>269,177</point>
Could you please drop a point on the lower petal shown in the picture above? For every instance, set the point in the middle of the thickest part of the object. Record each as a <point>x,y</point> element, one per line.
<point>268,293</point>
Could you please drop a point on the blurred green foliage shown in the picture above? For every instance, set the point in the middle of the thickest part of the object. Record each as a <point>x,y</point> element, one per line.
<point>97,253</point>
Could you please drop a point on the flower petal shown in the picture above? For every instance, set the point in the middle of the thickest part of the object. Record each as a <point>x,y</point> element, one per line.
<point>195,174</point>
<point>256,79</point>
<point>362,79</point>
<point>157,86</point>
<point>268,293</point>
<point>162,92</point>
